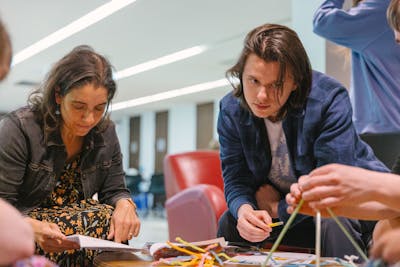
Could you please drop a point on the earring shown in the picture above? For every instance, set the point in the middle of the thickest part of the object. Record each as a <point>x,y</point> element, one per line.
<point>58,110</point>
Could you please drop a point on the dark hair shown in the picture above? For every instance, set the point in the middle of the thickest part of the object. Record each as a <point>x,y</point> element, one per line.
<point>80,67</point>
<point>393,15</point>
<point>5,51</point>
<point>276,43</point>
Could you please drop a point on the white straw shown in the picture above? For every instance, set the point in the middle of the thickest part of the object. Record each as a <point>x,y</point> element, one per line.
<point>318,239</point>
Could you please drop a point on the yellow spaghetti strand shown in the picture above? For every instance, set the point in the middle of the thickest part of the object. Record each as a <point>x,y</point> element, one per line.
<point>197,255</point>
<point>227,257</point>
<point>275,224</point>
<point>180,240</point>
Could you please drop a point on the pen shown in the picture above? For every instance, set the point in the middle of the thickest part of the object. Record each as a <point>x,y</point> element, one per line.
<point>275,224</point>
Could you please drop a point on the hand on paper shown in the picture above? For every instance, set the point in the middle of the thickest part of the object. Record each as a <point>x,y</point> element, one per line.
<point>49,237</point>
<point>253,224</point>
<point>125,223</point>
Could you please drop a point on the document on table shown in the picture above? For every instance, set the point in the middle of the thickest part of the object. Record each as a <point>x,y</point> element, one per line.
<point>278,259</point>
<point>100,244</point>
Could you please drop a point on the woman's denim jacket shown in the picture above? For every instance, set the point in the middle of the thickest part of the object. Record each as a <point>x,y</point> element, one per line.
<point>320,133</point>
<point>29,167</point>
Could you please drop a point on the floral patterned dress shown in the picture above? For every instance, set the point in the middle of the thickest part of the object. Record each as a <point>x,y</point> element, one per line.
<point>73,214</point>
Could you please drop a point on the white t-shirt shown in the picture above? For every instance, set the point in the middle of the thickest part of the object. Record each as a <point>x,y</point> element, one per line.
<point>281,173</point>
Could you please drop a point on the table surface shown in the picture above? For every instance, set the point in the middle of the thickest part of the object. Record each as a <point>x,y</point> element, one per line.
<point>122,259</point>
<point>128,259</point>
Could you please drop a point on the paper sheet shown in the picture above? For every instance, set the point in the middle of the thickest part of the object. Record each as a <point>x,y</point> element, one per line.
<point>278,258</point>
<point>96,243</point>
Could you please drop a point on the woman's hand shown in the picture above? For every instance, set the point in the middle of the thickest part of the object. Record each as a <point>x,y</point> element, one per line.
<point>253,224</point>
<point>49,237</point>
<point>124,222</point>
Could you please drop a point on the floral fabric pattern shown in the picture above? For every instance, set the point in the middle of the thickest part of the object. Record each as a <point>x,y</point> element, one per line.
<point>73,214</point>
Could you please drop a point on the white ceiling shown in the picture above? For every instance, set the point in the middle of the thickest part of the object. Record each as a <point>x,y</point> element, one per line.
<point>142,31</point>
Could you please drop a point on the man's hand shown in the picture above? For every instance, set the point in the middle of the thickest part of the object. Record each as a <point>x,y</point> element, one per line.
<point>253,224</point>
<point>293,198</point>
<point>336,185</point>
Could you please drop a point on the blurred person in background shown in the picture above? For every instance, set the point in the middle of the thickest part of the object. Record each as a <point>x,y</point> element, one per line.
<point>358,193</point>
<point>375,61</point>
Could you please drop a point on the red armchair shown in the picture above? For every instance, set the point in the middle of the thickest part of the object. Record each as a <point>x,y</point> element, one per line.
<point>195,198</point>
